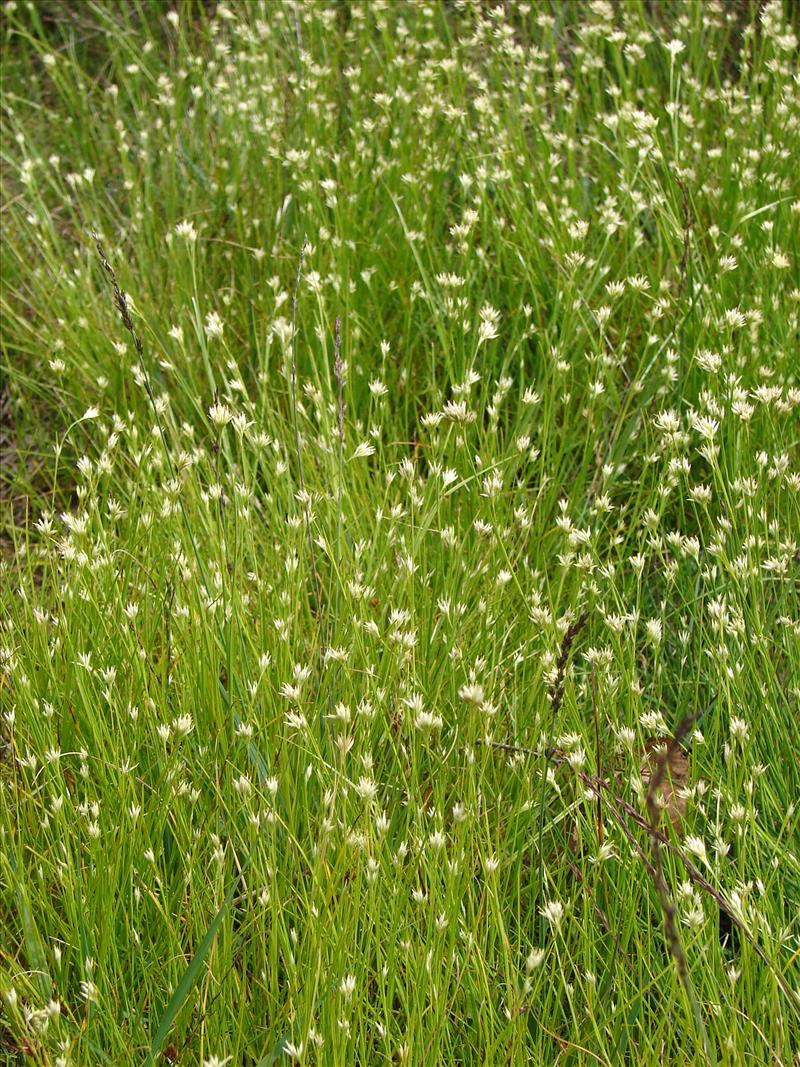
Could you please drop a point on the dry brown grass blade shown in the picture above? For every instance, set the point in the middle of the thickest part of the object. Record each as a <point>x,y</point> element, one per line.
<point>658,780</point>
<point>674,778</point>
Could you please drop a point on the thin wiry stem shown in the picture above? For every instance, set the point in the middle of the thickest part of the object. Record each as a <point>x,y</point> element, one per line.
<point>298,451</point>
<point>294,363</point>
<point>598,756</point>
<point>304,496</point>
<point>338,370</point>
<point>556,697</point>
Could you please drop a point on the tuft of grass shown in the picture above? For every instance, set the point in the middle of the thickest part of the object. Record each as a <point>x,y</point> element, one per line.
<point>355,599</point>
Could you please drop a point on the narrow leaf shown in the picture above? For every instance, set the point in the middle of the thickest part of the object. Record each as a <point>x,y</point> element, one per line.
<point>186,983</point>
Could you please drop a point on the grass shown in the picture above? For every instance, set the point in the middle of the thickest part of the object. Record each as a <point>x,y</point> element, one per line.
<point>417,520</point>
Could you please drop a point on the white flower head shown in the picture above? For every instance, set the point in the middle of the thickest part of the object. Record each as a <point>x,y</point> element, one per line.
<point>186,231</point>
<point>220,415</point>
<point>214,325</point>
<point>739,729</point>
<point>696,846</point>
<point>553,912</point>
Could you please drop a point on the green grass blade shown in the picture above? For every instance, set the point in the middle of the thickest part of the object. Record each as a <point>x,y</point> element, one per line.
<point>186,983</point>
